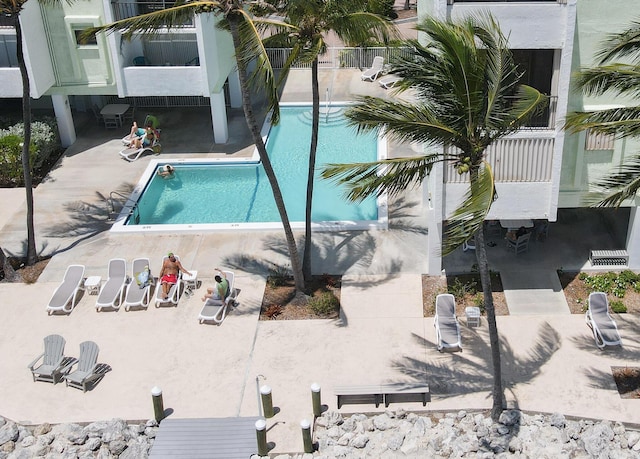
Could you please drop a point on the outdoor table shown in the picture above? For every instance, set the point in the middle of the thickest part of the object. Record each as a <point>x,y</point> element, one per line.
<point>515,224</point>
<point>114,111</point>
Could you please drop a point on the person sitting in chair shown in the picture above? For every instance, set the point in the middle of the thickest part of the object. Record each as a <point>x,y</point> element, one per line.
<point>171,267</point>
<point>142,137</point>
<point>515,235</point>
<point>220,290</point>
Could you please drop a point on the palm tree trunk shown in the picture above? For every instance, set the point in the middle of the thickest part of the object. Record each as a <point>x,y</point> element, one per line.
<point>26,163</point>
<point>485,280</point>
<point>264,157</point>
<point>306,260</point>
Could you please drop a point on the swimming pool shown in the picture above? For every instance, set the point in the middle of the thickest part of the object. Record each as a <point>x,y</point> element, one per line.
<point>221,193</point>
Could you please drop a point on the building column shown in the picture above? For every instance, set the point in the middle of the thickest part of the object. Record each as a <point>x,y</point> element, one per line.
<point>235,95</point>
<point>633,238</point>
<point>64,118</point>
<point>434,198</point>
<point>219,117</point>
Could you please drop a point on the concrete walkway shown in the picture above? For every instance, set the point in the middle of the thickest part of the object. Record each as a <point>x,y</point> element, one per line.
<point>533,291</point>
<point>550,362</point>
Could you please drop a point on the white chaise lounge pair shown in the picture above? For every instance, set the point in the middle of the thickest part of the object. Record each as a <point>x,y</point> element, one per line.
<point>122,290</point>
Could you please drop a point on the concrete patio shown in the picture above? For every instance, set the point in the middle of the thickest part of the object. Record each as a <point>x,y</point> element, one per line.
<point>550,361</point>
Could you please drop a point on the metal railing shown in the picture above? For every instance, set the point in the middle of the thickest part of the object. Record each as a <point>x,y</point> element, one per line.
<point>339,57</point>
<point>128,9</point>
<point>514,159</point>
<point>122,202</point>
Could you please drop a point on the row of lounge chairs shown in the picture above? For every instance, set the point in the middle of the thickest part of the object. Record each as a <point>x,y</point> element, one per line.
<point>604,328</point>
<point>52,365</point>
<point>121,289</point>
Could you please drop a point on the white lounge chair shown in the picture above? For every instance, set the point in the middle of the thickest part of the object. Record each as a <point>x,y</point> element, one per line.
<point>388,81</point>
<point>132,154</point>
<point>605,330</point>
<point>215,310</point>
<point>139,289</point>
<point>374,71</point>
<point>174,292</point>
<point>53,362</point>
<point>65,296</point>
<point>112,292</point>
<point>85,372</point>
<point>447,326</point>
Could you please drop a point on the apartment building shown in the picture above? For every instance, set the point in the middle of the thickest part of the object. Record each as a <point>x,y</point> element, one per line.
<point>189,65</point>
<point>541,169</point>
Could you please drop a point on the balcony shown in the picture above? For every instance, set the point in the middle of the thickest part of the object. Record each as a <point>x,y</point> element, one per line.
<point>8,49</point>
<point>127,9</point>
<point>523,157</point>
<point>166,64</point>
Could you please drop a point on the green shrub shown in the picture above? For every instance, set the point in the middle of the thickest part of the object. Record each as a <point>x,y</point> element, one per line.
<point>44,135</point>
<point>459,289</point>
<point>278,276</point>
<point>478,301</point>
<point>11,159</point>
<point>324,304</point>
<point>618,306</point>
<point>613,283</point>
<point>382,7</point>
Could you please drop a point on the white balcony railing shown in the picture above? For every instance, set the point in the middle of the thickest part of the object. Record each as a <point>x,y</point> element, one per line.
<point>520,158</point>
<point>342,58</point>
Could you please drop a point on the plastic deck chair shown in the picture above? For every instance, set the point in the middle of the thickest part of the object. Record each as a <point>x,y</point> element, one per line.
<point>215,310</point>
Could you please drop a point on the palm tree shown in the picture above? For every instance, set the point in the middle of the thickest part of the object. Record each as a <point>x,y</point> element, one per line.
<point>622,80</point>
<point>467,96</point>
<point>11,9</point>
<point>248,48</point>
<point>310,23</point>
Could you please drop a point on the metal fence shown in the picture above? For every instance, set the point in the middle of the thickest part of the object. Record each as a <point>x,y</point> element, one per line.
<point>128,9</point>
<point>339,57</point>
<point>162,101</point>
<point>171,49</point>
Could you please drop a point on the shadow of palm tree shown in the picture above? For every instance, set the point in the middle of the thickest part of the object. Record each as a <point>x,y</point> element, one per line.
<point>87,219</point>
<point>457,374</point>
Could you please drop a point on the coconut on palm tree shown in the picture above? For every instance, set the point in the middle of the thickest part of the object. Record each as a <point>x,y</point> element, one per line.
<point>466,95</point>
<point>621,80</point>
<point>310,23</point>
<point>248,49</point>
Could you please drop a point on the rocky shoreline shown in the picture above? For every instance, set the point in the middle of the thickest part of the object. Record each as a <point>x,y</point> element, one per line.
<point>398,434</point>
<point>102,439</point>
<point>392,434</point>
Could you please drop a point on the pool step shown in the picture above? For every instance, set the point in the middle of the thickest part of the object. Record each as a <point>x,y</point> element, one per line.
<point>328,116</point>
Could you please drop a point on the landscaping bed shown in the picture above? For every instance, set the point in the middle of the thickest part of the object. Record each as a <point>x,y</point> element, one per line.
<point>280,303</point>
<point>467,290</point>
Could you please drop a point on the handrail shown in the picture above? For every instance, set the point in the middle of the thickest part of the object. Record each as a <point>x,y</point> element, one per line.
<point>125,204</point>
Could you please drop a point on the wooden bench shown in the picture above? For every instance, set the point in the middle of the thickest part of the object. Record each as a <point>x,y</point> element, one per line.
<point>379,393</point>
<point>609,258</point>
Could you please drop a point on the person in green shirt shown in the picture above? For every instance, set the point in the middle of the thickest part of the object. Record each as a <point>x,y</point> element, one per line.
<point>220,290</point>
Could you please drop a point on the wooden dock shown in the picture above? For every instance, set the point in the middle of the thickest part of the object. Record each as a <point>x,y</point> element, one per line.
<point>212,438</point>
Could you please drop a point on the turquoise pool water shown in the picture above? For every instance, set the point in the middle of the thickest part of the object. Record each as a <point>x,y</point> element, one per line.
<point>236,193</point>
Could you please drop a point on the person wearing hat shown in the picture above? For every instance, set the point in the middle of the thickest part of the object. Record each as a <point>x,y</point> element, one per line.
<point>220,290</point>
<point>171,267</point>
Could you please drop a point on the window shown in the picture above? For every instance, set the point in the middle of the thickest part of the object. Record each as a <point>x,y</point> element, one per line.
<point>89,41</point>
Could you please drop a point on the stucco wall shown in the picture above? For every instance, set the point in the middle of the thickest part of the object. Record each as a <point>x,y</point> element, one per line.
<point>580,167</point>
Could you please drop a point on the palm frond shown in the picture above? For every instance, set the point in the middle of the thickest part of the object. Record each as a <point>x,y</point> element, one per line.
<point>618,79</point>
<point>470,215</point>
<point>374,178</point>
<point>150,23</point>
<point>622,184</point>
<point>624,44</point>
<point>620,122</point>
<point>400,121</point>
